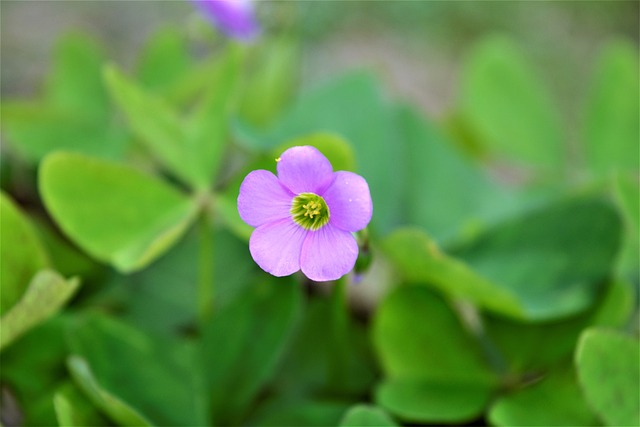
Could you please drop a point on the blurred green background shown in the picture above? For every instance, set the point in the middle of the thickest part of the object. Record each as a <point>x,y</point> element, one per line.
<point>498,282</point>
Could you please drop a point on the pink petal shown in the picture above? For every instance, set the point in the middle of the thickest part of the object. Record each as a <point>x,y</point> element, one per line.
<point>304,170</point>
<point>263,199</point>
<point>328,254</point>
<point>349,201</point>
<point>276,246</point>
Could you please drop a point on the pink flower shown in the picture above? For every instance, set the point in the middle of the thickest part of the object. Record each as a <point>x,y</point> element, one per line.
<point>235,18</point>
<point>304,217</point>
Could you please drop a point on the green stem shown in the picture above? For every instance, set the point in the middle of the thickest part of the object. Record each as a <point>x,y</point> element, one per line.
<point>205,293</point>
<point>339,331</point>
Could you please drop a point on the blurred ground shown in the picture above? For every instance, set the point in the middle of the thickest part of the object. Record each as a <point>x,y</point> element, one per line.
<point>415,47</point>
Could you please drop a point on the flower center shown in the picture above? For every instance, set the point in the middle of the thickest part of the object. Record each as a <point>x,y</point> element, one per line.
<point>309,211</point>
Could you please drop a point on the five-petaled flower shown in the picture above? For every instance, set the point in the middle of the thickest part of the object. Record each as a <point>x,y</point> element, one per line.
<point>305,216</point>
<point>235,18</point>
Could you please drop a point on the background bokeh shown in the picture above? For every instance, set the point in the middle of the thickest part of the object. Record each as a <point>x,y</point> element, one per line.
<point>497,282</point>
<point>417,47</point>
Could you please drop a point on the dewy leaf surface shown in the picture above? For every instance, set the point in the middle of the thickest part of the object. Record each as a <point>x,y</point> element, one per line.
<point>46,294</point>
<point>21,253</point>
<point>116,213</point>
<point>609,373</point>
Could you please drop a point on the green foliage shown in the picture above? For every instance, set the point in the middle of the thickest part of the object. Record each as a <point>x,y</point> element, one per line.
<point>366,415</point>
<point>528,348</point>
<point>21,254</point>
<point>113,407</point>
<point>556,400</point>
<point>74,112</point>
<point>436,373</point>
<point>577,241</point>
<point>269,88</point>
<point>73,409</point>
<point>449,401</point>
<point>152,120</point>
<point>420,260</point>
<point>315,365</point>
<point>190,147</point>
<point>470,197</point>
<point>32,368</point>
<point>154,366</point>
<point>612,115</point>
<point>163,60</point>
<point>116,213</point>
<point>608,371</point>
<point>164,287</point>
<point>627,194</point>
<point>299,412</point>
<point>46,294</point>
<point>508,107</point>
<point>239,364</point>
<point>487,293</point>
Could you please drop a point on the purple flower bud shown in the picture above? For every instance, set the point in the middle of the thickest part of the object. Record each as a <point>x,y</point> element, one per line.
<point>305,216</point>
<point>235,18</point>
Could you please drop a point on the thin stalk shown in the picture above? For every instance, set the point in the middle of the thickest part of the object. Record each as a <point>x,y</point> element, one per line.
<point>205,291</point>
<point>338,359</point>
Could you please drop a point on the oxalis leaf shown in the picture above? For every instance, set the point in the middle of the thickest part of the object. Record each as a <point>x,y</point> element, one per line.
<point>609,373</point>
<point>537,346</point>
<point>207,128</point>
<point>21,253</point>
<point>420,259</point>
<point>156,124</point>
<point>556,400</point>
<point>73,409</point>
<point>47,292</point>
<point>240,351</point>
<point>366,415</point>
<point>508,107</point>
<point>115,408</point>
<point>116,213</point>
<point>154,375</point>
<point>611,118</point>
<point>434,368</point>
<point>554,259</point>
